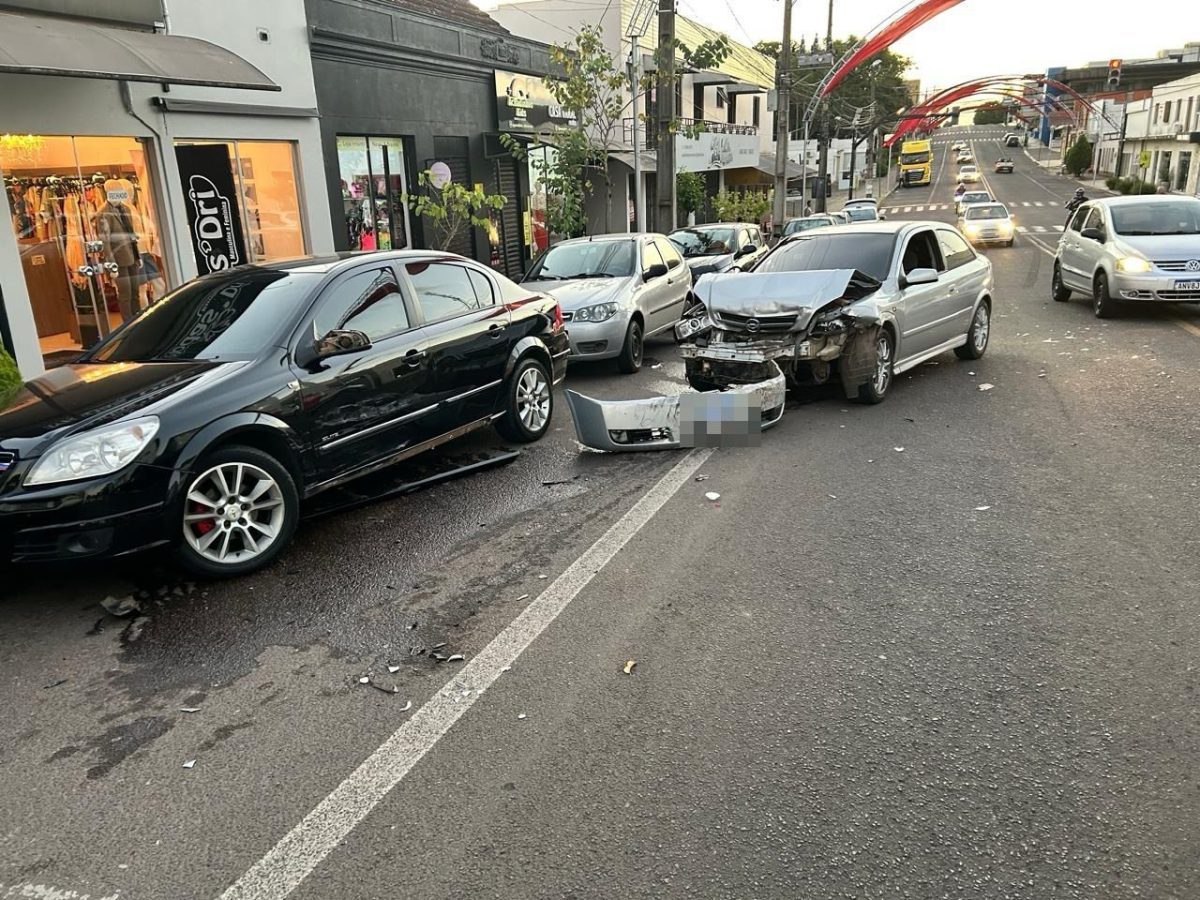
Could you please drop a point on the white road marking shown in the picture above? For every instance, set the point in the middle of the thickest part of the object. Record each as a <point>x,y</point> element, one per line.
<point>46,892</point>
<point>908,209</point>
<point>1057,228</point>
<point>1038,203</point>
<point>920,209</point>
<point>1026,203</point>
<point>303,848</point>
<point>1040,229</point>
<point>1187,326</point>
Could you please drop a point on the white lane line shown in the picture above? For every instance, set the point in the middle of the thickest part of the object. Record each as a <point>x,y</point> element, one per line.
<point>1187,326</point>
<point>1038,203</point>
<point>1021,229</point>
<point>1057,228</point>
<point>1040,229</point>
<point>46,892</point>
<point>1026,203</point>
<point>303,848</point>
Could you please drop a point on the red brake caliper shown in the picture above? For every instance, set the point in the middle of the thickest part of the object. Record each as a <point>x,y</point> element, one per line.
<point>204,526</point>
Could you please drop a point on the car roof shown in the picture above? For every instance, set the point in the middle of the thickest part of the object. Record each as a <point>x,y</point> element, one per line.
<point>882,227</point>
<point>331,262</point>
<point>715,225</point>
<point>600,238</point>
<point>1136,199</point>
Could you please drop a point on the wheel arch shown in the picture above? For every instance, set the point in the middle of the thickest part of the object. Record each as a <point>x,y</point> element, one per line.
<point>258,430</point>
<point>528,346</point>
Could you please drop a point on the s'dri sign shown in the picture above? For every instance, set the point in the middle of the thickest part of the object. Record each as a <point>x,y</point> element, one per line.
<point>214,225</point>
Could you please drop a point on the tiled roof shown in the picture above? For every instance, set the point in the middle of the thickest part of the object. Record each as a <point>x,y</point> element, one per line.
<point>461,11</point>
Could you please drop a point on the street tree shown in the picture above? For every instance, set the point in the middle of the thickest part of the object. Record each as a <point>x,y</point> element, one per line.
<point>10,378</point>
<point>1078,156</point>
<point>991,114</point>
<point>689,192</point>
<point>452,208</point>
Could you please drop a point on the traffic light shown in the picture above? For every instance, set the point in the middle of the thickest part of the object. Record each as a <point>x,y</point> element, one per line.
<point>1114,73</point>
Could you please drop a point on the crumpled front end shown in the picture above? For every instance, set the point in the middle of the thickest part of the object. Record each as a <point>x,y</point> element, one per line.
<point>736,417</point>
<point>812,326</point>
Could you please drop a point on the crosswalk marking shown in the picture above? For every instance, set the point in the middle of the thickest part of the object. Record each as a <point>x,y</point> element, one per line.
<point>908,209</point>
<point>1026,203</point>
<point>920,209</point>
<point>1038,203</point>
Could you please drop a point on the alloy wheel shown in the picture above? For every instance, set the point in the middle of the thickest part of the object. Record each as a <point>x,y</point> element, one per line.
<point>533,399</point>
<point>883,363</point>
<point>234,513</point>
<point>980,328</point>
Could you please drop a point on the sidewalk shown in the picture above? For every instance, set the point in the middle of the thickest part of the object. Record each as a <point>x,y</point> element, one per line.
<point>1050,159</point>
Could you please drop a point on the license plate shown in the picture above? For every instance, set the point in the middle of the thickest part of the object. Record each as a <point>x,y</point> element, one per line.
<point>1187,285</point>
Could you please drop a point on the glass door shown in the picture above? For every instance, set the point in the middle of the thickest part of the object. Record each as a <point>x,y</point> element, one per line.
<point>373,186</point>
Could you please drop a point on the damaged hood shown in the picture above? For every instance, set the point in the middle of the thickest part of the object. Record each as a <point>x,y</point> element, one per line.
<point>799,294</point>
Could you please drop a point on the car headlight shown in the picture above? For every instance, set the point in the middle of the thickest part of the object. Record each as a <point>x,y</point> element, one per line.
<point>601,312</point>
<point>970,228</point>
<point>1131,264</point>
<point>92,454</point>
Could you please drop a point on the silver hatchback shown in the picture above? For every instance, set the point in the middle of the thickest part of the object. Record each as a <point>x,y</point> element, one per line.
<point>1130,249</point>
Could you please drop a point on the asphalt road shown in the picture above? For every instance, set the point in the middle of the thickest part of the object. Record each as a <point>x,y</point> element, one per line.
<point>941,647</point>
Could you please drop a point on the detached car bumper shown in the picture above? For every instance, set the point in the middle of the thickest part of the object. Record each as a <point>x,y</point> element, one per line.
<point>105,517</point>
<point>1183,287</point>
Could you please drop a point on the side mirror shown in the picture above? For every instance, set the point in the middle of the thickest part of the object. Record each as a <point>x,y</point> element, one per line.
<point>745,251</point>
<point>335,343</point>
<point>919,276</point>
<point>1093,234</point>
<point>658,270</point>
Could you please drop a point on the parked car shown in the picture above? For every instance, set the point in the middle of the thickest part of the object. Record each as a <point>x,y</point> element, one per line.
<point>969,174</point>
<point>988,223</point>
<point>1137,249</point>
<point>714,248</point>
<point>840,218</point>
<point>807,223</point>
<point>862,303</point>
<point>1004,166</point>
<point>1013,140</point>
<point>207,420</point>
<point>968,198</point>
<point>616,290</point>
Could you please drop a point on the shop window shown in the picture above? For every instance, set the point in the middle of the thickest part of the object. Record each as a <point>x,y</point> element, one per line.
<point>86,223</point>
<point>268,199</point>
<point>1185,169</point>
<point>373,184</point>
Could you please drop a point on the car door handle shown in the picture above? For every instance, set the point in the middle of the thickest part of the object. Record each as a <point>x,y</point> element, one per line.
<point>495,330</point>
<point>414,357</point>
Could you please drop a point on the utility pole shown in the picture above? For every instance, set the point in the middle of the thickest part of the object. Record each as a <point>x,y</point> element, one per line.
<point>639,194</point>
<point>823,147</point>
<point>783,118</point>
<point>664,220</point>
<point>1120,165</point>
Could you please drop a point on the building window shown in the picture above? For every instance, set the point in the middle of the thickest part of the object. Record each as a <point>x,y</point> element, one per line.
<point>1187,120</point>
<point>1185,169</point>
<point>757,110</point>
<point>264,177</point>
<point>373,185</point>
<point>1167,111</point>
<point>720,98</point>
<point>1154,120</point>
<point>86,224</point>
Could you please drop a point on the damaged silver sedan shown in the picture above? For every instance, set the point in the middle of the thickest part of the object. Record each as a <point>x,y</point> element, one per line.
<point>861,304</point>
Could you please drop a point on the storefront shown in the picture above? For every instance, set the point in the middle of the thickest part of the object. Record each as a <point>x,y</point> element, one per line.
<point>392,108</point>
<point>118,191</point>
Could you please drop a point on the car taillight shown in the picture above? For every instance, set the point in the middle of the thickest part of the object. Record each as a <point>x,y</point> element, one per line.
<point>556,319</point>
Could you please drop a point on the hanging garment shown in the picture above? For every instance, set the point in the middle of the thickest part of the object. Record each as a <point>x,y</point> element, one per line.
<point>115,230</point>
<point>75,252</point>
<point>143,217</point>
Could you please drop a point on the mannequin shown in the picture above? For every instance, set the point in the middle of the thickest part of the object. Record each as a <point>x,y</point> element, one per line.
<point>114,224</point>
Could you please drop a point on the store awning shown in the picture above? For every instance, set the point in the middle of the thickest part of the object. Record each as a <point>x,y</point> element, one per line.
<point>766,165</point>
<point>40,45</point>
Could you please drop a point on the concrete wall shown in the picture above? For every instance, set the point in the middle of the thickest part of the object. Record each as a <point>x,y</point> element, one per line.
<point>78,106</point>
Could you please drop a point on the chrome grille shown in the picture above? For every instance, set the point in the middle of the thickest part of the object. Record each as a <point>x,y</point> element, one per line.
<point>756,324</point>
<point>1176,265</point>
<point>1179,295</point>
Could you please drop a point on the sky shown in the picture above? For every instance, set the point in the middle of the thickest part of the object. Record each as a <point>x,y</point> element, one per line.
<point>975,38</point>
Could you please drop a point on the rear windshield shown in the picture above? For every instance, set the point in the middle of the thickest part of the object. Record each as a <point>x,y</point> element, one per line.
<point>976,197</point>
<point>870,253</point>
<point>1172,217</point>
<point>797,225</point>
<point>861,213</point>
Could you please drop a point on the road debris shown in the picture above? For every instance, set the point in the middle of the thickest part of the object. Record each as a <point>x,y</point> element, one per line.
<point>393,669</point>
<point>898,449</point>
<point>189,709</point>
<point>982,508</point>
<point>190,764</point>
<point>134,629</point>
<point>986,387</point>
<point>98,627</point>
<point>383,688</point>
<point>543,577</point>
<point>366,679</point>
<point>712,496</point>
<point>120,606</point>
<point>439,646</point>
<point>55,683</point>
<point>703,477</point>
<point>522,597</point>
<point>656,366</point>
<point>407,706</point>
<point>553,481</point>
<point>972,374</point>
<point>520,715</point>
<point>506,669</point>
<point>456,657</point>
<point>629,666</point>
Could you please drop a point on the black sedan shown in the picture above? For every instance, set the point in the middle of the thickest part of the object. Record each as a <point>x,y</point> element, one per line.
<point>206,421</point>
<point>716,248</point>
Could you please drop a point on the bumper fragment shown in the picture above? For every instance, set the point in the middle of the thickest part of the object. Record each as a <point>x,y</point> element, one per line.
<point>695,419</point>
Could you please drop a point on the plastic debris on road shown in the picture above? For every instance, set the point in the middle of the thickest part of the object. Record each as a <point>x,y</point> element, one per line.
<point>712,496</point>
<point>898,449</point>
<point>189,709</point>
<point>982,508</point>
<point>366,679</point>
<point>522,597</point>
<point>383,688</point>
<point>521,715</point>
<point>55,683</point>
<point>629,666</point>
<point>986,387</point>
<point>457,657</point>
<point>190,764</point>
<point>407,706</point>
<point>703,477</point>
<point>393,669</point>
<point>120,606</point>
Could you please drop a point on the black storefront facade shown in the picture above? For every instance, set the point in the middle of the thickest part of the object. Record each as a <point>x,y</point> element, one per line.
<point>402,86</point>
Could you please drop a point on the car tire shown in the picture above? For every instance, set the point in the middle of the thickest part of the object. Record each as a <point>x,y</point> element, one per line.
<point>1011,241</point>
<point>978,334</point>
<point>1059,291</point>
<point>528,402</point>
<point>875,390</point>
<point>269,508</point>
<point>1103,304</point>
<point>630,360</point>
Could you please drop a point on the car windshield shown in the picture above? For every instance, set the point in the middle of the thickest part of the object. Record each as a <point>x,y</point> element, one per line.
<point>870,253</point>
<point>798,225</point>
<point>989,211</point>
<point>703,241</point>
<point>861,213</point>
<point>976,197</point>
<point>968,170</point>
<point>1173,217</point>
<point>585,259</point>
<point>914,159</point>
<point>235,314</point>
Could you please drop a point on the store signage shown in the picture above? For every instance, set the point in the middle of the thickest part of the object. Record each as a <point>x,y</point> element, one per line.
<point>524,104</point>
<point>117,195</point>
<point>709,151</point>
<point>440,175</point>
<point>216,229</point>
<point>499,50</point>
